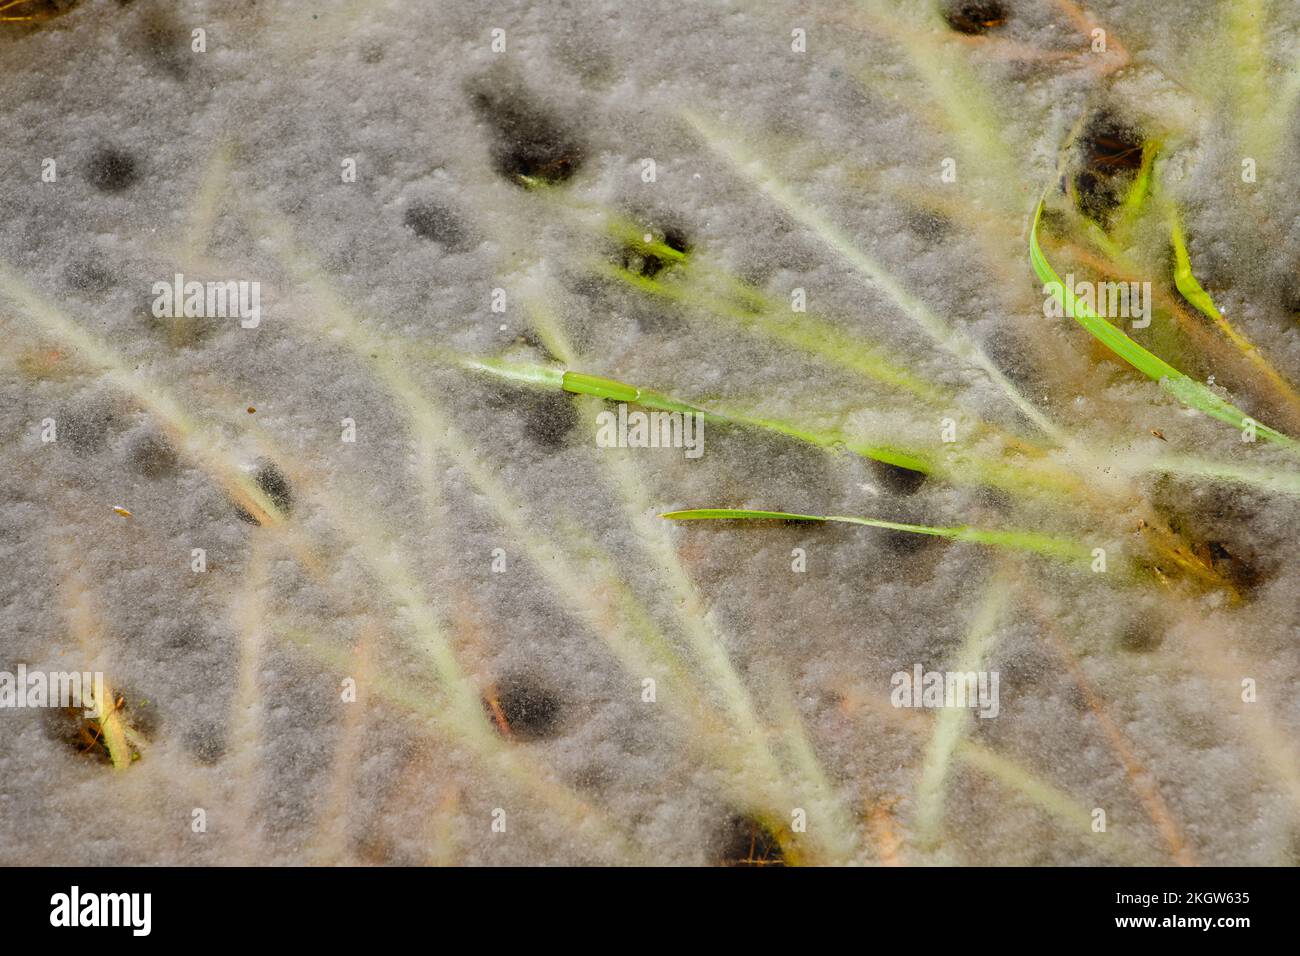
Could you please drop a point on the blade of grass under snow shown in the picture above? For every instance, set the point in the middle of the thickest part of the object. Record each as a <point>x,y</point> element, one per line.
<point>945,335</point>
<point>615,613</point>
<point>836,840</point>
<point>1283,482</point>
<point>1031,541</point>
<point>946,463</point>
<point>804,332</point>
<point>205,448</point>
<point>952,724</point>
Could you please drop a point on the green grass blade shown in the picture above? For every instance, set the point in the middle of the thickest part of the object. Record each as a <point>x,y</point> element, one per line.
<point>1186,390</point>
<point>1192,290</point>
<point>1031,541</point>
<point>542,376</point>
<point>1185,280</point>
<point>1014,476</point>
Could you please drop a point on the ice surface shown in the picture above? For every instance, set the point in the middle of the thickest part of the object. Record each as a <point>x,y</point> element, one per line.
<point>513,680</point>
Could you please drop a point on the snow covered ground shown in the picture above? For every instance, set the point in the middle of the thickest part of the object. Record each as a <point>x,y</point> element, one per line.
<point>369,587</point>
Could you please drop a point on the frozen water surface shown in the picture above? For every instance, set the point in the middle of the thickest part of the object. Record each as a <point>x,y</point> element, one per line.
<point>374,591</point>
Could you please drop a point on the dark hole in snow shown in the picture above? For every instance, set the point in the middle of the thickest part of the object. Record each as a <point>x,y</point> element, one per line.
<point>975,17</point>
<point>639,258</point>
<point>1236,565</point>
<point>529,145</point>
<point>70,727</point>
<point>1110,154</point>
<point>112,171</point>
<point>1141,637</point>
<point>1223,529</point>
<point>166,43</point>
<point>530,711</point>
<point>152,455</point>
<point>437,224</point>
<point>676,239</point>
<point>205,744</point>
<point>930,226</point>
<point>89,277</point>
<point>275,486</point>
<point>895,478</point>
<point>548,417</point>
<point>903,543</point>
<point>746,842</point>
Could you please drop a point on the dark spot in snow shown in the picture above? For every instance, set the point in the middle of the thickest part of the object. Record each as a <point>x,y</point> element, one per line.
<point>152,455</point>
<point>530,711</point>
<point>84,735</point>
<point>1290,294</point>
<point>1141,637</point>
<point>548,417</point>
<point>91,277</point>
<point>275,486</point>
<point>205,744</point>
<point>1226,528</point>
<point>746,842</point>
<point>1014,358</point>
<point>530,338</point>
<point>903,543</point>
<point>930,226</point>
<point>437,224</point>
<point>975,17</point>
<point>166,42</point>
<point>1237,565</point>
<point>1110,153</point>
<point>112,171</point>
<point>529,145</point>
<point>70,727</point>
<point>895,478</point>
